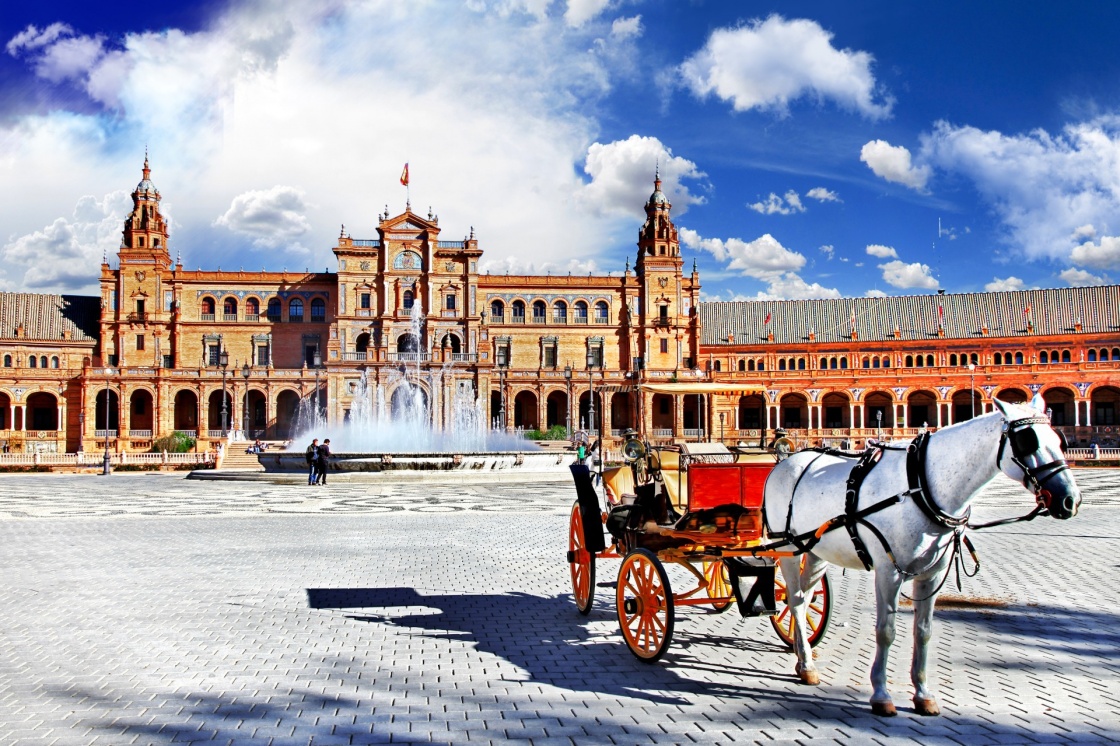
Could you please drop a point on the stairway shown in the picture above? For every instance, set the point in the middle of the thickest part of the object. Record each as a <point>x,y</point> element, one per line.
<point>238,460</point>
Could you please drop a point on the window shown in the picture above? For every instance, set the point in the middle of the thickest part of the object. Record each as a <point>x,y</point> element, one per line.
<point>43,361</point>
<point>450,302</point>
<point>560,312</point>
<point>782,364</point>
<point>581,312</point>
<point>1065,357</point>
<point>664,345</point>
<point>663,315</point>
<point>716,366</point>
<point>364,300</point>
<point>274,310</point>
<point>167,362</point>
<point>997,359</point>
<point>140,307</point>
<point>54,362</point>
<point>910,361</point>
<point>1116,353</point>
<point>139,341</point>
<point>750,365</point>
<point>497,312</point>
<point>208,309</point>
<point>843,363</point>
<point>407,300</point>
<point>595,352</point>
<point>168,299</point>
<point>742,366</point>
<point>214,351</point>
<point>1104,413</point>
<point>602,312</point>
<point>33,362</point>
<point>318,310</point>
<point>833,417</point>
<point>953,359</point>
<point>1018,358</point>
<point>538,311</point>
<point>517,313</point>
<point>113,360</point>
<point>1092,356</point>
<point>295,310</point>
<point>252,309</point>
<point>548,352</point>
<point>262,354</point>
<point>229,309</point>
<point>310,352</point>
<point>502,351</point>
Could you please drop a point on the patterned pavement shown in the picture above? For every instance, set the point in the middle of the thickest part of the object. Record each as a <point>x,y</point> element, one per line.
<point>152,609</point>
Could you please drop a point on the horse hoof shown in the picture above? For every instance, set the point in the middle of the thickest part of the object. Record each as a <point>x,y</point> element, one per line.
<point>884,709</point>
<point>810,678</point>
<point>927,706</point>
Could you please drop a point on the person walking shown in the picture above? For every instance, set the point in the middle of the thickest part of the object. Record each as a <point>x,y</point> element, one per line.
<point>312,455</point>
<point>321,461</point>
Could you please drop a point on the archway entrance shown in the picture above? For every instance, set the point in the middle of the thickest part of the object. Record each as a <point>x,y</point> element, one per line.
<point>287,407</point>
<point>186,412</point>
<point>42,411</point>
<point>556,409</point>
<point>217,421</point>
<point>106,420</point>
<point>140,415</point>
<point>525,410</point>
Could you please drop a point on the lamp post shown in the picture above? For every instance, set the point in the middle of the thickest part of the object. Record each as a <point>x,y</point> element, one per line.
<point>722,415</point>
<point>81,429</point>
<point>568,414</point>
<point>245,373</point>
<point>879,425</point>
<point>972,388</point>
<point>223,363</point>
<point>591,391</point>
<point>317,361</point>
<point>106,466</point>
<point>502,364</point>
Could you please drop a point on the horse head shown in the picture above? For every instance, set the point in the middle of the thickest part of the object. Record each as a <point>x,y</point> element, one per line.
<point>1030,452</point>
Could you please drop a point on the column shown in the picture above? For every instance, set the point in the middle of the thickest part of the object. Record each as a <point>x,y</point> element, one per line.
<point>606,414</point>
<point>937,420</point>
<point>542,407</point>
<point>1088,413</point>
<point>851,415</point>
<point>1076,413</point>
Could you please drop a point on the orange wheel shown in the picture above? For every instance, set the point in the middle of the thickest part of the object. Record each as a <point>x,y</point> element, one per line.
<point>719,584</point>
<point>645,605</point>
<point>816,616</point>
<point>581,562</point>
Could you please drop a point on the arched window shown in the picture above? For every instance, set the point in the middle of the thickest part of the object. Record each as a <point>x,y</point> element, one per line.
<point>295,310</point>
<point>229,309</point>
<point>801,363</point>
<point>518,312</point>
<point>909,361</point>
<point>560,312</point>
<point>43,361</point>
<point>274,309</point>
<point>1092,356</point>
<point>407,299</point>
<point>742,366</point>
<point>761,365</point>
<point>975,359</point>
<point>750,365</point>
<point>318,309</point>
<point>1065,356</point>
<point>1044,357</point>
<point>832,363</point>
<point>887,362</point>
<point>782,364</point>
<point>54,362</point>
<point>32,361</point>
<point>953,359</point>
<point>824,363</point>
<point>207,309</point>
<point>875,363</point>
<point>716,366</point>
<point>929,361</point>
<point>602,312</point>
<point>843,363</point>
<point>1104,355</point>
<point>539,309</point>
<point>1116,353</point>
<point>1018,358</point>
<point>581,312</point>
<point>7,361</point>
<point>497,311</point>
<point>997,359</point>
<point>252,309</point>
<point>866,362</point>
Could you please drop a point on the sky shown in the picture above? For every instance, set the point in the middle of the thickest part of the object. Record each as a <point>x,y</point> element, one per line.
<point>809,149</point>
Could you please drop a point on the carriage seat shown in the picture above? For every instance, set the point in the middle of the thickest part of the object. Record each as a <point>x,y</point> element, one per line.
<point>619,483</point>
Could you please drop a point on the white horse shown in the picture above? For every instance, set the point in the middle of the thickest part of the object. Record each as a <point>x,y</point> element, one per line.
<point>907,540</point>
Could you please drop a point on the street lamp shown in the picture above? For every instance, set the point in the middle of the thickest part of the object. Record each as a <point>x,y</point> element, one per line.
<point>722,415</point>
<point>245,373</point>
<point>502,365</point>
<point>106,467</point>
<point>223,363</point>
<point>591,391</point>
<point>972,388</point>
<point>81,429</point>
<point>317,361</point>
<point>879,424</point>
<point>568,414</point>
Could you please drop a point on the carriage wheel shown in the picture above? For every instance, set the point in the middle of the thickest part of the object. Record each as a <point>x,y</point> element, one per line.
<point>645,605</point>
<point>816,616</point>
<point>719,584</point>
<point>581,562</point>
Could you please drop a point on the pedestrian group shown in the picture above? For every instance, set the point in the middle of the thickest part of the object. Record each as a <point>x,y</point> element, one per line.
<point>317,456</point>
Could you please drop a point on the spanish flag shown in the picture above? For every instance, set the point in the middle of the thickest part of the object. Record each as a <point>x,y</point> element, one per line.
<point>404,175</point>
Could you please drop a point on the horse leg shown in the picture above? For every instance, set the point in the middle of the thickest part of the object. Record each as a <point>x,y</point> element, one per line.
<point>888,583</point>
<point>924,701</point>
<point>798,606</point>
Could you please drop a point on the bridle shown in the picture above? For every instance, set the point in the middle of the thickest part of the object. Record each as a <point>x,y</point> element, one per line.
<point>1024,443</point>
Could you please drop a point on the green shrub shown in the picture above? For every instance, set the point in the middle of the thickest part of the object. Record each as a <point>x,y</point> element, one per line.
<point>175,443</point>
<point>556,432</point>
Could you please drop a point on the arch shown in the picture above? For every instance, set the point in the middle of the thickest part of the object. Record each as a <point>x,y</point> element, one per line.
<point>54,362</point>
<point>318,309</point>
<point>214,419</point>
<point>622,411</point>
<point>921,408</point>
<point>295,310</point>
<point>997,359</point>
<point>602,312</point>
<point>186,411</point>
<point>835,410</point>
<point>781,363</point>
<point>1104,404</point>
<point>1061,401</point>
<point>287,408</point>
<point>663,415</point>
<point>966,404</point>
<point>1116,353</point>
<point>43,361</point>
<point>252,307</point>
<point>407,342</point>
<point>875,362</point>
<point>525,410</point>
<point>42,412</point>
<point>517,310</point>
<point>556,409</point>
<point>5,408</point>
<point>875,403</point>
<point>1092,356</point>
<point>229,309</point>
<point>141,415</point>
<point>540,310</point>
<point>274,309</point>
<point>7,361</point>
<point>580,311</point>
<point>844,362</point>
<point>1044,357</point>
<point>32,361</point>
<point>742,365</point>
<point>208,306</point>
<point>409,403</point>
<point>801,363</point>
<point>106,416</point>
<point>408,300</point>
<point>910,361</point>
<point>1066,356</point>
<point>560,312</point>
<point>450,343</point>
<point>256,406</point>
<point>585,411</point>
<point>717,366</point>
<point>1013,395</point>
<point>751,412</point>
<point>1018,358</point>
<point>361,343</point>
<point>497,311</point>
<point>750,365</point>
<point>794,410</point>
<point>953,359</point>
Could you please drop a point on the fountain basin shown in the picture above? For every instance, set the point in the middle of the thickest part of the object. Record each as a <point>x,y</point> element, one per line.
<point>480,462</point>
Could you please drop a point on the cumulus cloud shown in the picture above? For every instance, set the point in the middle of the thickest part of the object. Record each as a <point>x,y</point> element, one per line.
<point>893,163</point>
<point>626,28</point>
<point>1080,278</point>
<point>1100,255</point>
<point>875,293</point>
<point>823,195</point>
<point>64,256</point>
<point>763,258</point>
<point>883,252</point>
<point>899,274</point>
<point>828,250</point>
<point>622,176</point>
<point>775,205</point>
<point>790,286</point>
<point>273,218</point>
<point>1010,283</point>
<point>32,38</point>
<point>580,12</point>
<point>767,64</point>
<point>1051,191</point>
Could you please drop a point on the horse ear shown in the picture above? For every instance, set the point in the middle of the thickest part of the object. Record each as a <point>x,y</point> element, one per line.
<point>1038,403</point>
<point>1002,406</point>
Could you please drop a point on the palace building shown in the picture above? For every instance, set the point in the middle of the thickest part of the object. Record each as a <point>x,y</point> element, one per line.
<point>210,352</point>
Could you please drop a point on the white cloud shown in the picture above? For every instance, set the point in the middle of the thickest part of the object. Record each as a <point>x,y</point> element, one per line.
<point>823,195</point>
<point>828,250</point>
<point>763,258</point>
<point>768,64</point>
<point>580,12</point>
<point>790,286</point>
<point>875,293</point>
<point>1049,190</point>
<point>622,176</point>
<point>495,122</point>
<point>626,28</point>
<point>892,162</point>
<point>775,205</point>
<point>273,218</point>
<point>1081,278</point>
<point>65,255</point>
<point>883,252</point>
<point>899,274</point>
<point>1010,283</point>
<point>1104,254</point>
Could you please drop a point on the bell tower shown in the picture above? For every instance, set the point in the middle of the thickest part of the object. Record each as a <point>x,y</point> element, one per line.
<point>145,231</point>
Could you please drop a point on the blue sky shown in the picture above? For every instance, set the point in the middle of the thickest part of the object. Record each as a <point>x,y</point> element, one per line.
<point>810,149</point>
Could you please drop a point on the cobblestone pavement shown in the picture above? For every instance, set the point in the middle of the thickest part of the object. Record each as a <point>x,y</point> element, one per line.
<point>150,609</point>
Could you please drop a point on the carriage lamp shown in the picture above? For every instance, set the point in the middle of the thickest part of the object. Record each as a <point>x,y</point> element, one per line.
<point>879,425</point>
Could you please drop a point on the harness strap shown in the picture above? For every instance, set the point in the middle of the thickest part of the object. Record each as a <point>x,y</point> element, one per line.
<point>919,487</point>
<point>788,532</point>
<point>852,519</point>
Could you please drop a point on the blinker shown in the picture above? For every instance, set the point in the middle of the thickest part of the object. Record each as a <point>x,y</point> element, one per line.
<point>1025,441</point>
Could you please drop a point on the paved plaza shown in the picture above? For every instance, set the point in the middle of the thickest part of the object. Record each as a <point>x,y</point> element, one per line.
<point>147,608</point>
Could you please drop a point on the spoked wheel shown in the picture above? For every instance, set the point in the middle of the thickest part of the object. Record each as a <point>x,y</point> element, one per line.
<point>581,562</point>
<point>816,616</point>
<point>719,584</point>
<point>645,605</point>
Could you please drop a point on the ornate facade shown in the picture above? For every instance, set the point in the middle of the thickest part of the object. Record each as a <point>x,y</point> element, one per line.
<point>166,349</point>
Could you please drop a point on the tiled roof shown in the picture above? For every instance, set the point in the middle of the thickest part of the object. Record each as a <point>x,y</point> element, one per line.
<point>1053,311</point>
<point>46,317</point>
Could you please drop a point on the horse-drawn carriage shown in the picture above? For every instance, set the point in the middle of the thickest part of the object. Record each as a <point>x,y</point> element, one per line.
<point>695,505</point>
<point>731,517</point>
